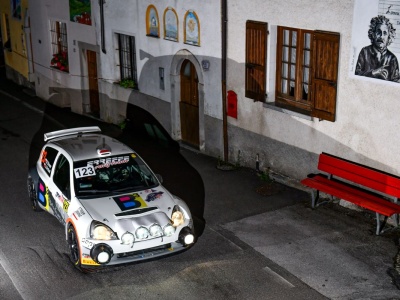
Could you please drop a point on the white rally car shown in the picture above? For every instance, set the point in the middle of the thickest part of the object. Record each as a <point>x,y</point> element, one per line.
<point>114,208</point>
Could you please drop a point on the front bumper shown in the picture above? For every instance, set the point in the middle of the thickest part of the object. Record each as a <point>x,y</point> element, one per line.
<point>138,251</point>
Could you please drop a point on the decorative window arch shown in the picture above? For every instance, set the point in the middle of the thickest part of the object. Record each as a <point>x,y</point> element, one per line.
<point>152,22</point>
<point>170,24</point>
<point>191,28</point>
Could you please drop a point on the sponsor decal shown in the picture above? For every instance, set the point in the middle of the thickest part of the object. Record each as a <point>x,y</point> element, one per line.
<point>87,244</point>
<point>107,162</point>
<point>45,163</point>
<point>87,260</point>
<point>65,205</point>
<point>130,201</point>
<point>64,201</point>
<point>79,212</point>
<point>56,209</point>
<point>43,194</point>
<point>84,172</point>
<point>154,196</point>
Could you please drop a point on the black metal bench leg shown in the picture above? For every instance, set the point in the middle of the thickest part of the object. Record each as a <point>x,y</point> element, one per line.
<point>314,198</point>
<point>380,225</point>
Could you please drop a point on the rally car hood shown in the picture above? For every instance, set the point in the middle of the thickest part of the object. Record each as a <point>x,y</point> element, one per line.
<point>152,205</point>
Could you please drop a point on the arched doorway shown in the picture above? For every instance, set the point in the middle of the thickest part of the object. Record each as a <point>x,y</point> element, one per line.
<point>189,104</point>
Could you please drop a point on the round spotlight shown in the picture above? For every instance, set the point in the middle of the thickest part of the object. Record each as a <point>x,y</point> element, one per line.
<point>142,233</point>
<point>156,230</point>
<point>103,257</point>
<point>186,237</point>
<point>169,230</point>
<point>127,238</point>
<point>189,239</point>
<point>101,253</point>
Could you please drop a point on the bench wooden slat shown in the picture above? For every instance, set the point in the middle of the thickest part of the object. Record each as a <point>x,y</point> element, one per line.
<point>376,180</point>
<point>356,196</point>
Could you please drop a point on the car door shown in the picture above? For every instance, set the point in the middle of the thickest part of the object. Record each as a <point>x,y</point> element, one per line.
<point>61,188</point>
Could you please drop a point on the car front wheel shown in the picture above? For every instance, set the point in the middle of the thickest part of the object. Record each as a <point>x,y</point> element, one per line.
<point>74,251</point>
<point>33,195</point>
<point>73,246</point>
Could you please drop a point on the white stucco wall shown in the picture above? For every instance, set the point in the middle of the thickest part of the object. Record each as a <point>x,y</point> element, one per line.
<point>42,12</point>
<point>366,126</point>
<point>130,18</point>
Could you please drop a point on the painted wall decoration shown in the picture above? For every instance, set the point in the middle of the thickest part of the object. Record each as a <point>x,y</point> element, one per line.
<point>16,9</point>
<point>170,24</point>
<point>152,22</point>
<point>80,11</point>
<point>376,41</point>
<point>192,29</point>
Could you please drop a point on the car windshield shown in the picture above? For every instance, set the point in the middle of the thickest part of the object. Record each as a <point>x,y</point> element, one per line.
<point>111,175</point>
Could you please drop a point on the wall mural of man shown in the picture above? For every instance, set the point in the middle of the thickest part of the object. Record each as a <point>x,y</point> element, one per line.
<point>375,60</point>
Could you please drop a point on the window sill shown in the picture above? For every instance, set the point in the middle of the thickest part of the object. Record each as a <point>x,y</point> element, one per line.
<point>303,114</point>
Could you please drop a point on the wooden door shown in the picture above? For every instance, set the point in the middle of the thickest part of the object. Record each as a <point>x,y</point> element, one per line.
<point>189,104</point>
<point>93,84</point>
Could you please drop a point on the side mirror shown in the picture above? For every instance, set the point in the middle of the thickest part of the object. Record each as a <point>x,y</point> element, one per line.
<point>159,177</point>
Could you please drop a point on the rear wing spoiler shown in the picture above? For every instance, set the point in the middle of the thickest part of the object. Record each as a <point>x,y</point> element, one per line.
<point>71,131</point>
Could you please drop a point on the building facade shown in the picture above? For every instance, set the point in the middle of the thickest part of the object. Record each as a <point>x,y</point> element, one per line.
<point>65,53</point>
<point>16,41</point>
<point>305,84</point>
<point>168,54</point>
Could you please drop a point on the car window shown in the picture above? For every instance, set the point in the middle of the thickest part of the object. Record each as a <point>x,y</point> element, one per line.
<point>113,174</point>
<point>47,159</point>
<point>61,174</point>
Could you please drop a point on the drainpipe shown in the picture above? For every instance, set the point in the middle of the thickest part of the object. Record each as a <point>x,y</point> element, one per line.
<point>28,45</point>
<point>103,42</point>
<point>224,22</point>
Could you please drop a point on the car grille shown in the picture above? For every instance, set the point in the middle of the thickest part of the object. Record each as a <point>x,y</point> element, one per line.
<point>153,250</point>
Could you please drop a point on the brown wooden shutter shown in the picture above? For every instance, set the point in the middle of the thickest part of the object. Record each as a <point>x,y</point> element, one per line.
<point>325,53</point>
<point>256,53</point>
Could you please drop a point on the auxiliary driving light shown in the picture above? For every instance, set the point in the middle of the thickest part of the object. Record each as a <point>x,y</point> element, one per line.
<point>101,253</point>
<point>127,238</point>
<point>169,230</point>
<point>142,233</point>
<point>186,237</point>
<point>155,230</point>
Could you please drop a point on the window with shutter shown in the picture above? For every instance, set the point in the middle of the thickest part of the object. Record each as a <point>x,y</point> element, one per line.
<point>306,72</point>
<point>256,54</point>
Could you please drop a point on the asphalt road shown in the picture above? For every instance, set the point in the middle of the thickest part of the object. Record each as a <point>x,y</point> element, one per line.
<point>34,261</point>
<point>249,246</point>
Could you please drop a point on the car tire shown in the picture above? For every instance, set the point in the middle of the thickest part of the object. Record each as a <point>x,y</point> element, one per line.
<point>73,245</point>
<point>74,251</point>
<point>33,195</point>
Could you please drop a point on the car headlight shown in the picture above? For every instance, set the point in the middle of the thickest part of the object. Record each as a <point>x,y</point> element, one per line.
<point>127,238</point>
<point>155,230</point>
<point>142,233</point>
<point>100,231</point>
<point>177,217</point>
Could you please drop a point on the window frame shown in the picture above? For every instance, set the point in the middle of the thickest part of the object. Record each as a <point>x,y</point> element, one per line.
<point>322,72</point>
<point>48,157</point>
<point>59,43</point>
<point>66,166</point>
<point>127,58</point>
<point>285,99</point>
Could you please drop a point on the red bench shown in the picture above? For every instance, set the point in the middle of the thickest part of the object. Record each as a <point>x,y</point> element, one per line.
<point>361,185</point>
